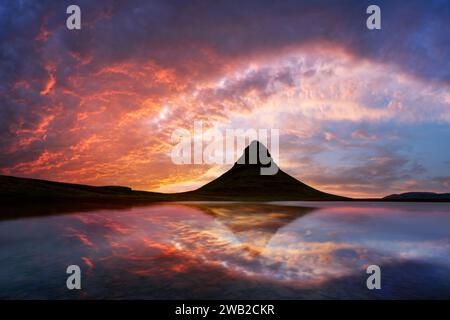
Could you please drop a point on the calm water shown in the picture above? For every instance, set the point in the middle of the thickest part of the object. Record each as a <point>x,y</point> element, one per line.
<point>289,250</point>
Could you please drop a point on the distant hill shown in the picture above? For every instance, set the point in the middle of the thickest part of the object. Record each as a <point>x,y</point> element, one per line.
<point>14,188</point>
<point>419,196</point>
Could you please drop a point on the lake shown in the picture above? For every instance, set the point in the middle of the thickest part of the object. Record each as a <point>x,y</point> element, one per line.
<point>224,250</point>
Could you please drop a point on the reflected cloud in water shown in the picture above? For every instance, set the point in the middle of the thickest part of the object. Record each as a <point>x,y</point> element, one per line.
<point>231,250</point>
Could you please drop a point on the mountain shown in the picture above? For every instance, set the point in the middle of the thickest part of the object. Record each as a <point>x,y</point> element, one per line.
<point>418,196</point>
<point>244,181</point>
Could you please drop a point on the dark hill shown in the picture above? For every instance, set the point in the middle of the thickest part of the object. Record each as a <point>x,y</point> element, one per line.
<point>15,188</point>
<point>244,181</point>
<point>419,196</point>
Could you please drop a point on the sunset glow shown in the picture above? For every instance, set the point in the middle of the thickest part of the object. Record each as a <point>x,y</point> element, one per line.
<point>360,113</point>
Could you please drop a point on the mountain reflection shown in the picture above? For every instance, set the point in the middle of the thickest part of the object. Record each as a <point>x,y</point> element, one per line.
<point>253,224</point>
<point>230,250</point>
<point>170,238</point>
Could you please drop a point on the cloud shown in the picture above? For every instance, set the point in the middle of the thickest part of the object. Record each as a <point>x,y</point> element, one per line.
<point>98,105</point>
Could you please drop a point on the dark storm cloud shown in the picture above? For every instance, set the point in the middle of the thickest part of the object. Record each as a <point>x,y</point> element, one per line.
<point>179,34</point>
<point>414,34</point>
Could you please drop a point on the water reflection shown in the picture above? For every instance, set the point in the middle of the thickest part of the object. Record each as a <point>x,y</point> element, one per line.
<point>230,250</point>
<point>252,224</point>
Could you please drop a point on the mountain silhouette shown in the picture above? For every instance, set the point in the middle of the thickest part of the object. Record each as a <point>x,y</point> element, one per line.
<point>419,196</point>
<point>245,181</point>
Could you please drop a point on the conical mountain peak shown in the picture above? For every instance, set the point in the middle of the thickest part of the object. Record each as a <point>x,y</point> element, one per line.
<point>246,181</point>
<point>255,153</point>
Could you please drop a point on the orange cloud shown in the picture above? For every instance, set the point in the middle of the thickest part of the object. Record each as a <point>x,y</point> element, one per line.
<point>111,124</point>
<point>88,262</point>
<point>48,85</point>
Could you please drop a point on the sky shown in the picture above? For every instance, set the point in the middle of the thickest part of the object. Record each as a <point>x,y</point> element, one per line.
<point>361,113</point>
